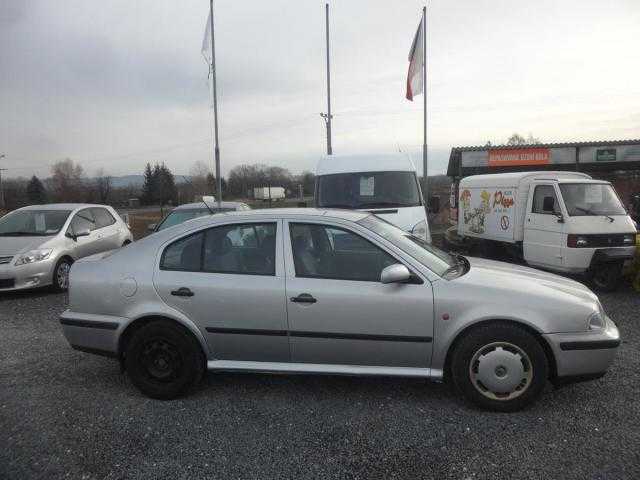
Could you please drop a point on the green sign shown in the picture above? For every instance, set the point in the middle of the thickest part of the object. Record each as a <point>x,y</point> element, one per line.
<point>606,155</point>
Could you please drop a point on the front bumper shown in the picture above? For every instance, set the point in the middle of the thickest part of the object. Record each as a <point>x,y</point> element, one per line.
<point>32,275</point>
<point>584,354</point>
<point>91,333</point>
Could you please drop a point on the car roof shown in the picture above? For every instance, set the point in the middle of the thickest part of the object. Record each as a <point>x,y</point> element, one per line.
<point>375,162</point>
<point>61,206</point>
<point>203,206</point>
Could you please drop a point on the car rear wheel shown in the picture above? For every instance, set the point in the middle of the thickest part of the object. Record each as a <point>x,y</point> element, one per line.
<point>163,360</point>
<point>61,275</point>
<point>499,367</point>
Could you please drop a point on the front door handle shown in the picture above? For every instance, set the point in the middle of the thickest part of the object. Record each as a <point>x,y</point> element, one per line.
<point>182,292</point>
<point>304,298</point>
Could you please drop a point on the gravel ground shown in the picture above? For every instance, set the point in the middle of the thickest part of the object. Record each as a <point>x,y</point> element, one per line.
<point>68,414</point>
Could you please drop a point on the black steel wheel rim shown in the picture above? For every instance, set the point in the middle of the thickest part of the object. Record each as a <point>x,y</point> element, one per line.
<point>161,360</point>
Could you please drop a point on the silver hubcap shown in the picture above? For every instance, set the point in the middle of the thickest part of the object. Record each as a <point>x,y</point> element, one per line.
<point>501,371</point>
<point>63,275</point>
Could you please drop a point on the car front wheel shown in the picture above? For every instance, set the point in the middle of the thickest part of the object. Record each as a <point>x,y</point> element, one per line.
<point>61,275</point>
<point>163,360</point>
<point>499,367</point>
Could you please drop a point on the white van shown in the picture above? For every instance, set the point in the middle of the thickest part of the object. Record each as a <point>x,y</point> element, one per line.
<point>561,221</point>
<point>386,185</point>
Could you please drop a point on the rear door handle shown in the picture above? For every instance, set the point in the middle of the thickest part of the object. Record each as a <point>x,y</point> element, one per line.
<point>304,298</point>
<point>182,292</point>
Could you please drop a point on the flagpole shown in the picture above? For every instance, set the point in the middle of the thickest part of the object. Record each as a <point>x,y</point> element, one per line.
<point>215,113</point>
<point>424,100</point>
<point>328,116</point>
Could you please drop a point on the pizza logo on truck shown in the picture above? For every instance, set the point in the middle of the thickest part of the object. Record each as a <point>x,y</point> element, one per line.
<point>502,200</point>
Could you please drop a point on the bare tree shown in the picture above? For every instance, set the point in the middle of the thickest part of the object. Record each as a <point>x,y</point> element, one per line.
<point>103,186</point>
<point>517,139</point>
<point>200,176</point>
<point>67,181</point>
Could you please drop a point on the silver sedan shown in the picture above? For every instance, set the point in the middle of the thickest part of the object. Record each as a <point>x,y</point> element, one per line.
<point>332,292</point>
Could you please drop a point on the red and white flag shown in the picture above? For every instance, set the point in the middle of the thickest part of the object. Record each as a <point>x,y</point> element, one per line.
<point>415,80</point>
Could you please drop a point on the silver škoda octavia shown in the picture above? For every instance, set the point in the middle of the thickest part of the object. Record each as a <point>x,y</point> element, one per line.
<point>331,292</point>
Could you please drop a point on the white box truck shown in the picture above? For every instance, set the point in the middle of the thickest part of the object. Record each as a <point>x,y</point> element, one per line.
<point>266,193</point>
<point>561,221</point>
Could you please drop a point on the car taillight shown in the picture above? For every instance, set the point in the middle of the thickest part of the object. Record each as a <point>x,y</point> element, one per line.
<point>576,241</point>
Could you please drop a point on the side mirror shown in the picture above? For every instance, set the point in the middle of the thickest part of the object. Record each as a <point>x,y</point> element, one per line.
<point>559,217</point>
<point>152,227</point>
<point>85,232</point>
<point>395,274</point>
<point>434,205</point>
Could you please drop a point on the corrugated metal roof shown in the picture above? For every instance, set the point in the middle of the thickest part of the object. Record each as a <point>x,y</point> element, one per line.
<point>455,156</point>
<point>599,143</point>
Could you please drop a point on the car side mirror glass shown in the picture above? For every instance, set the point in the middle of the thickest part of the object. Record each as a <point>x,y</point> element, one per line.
<point>84,232</point>
<point>396,273</point>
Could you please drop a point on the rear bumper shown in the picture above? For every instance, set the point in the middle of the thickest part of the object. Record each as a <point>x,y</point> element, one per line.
<point>98,334</point>
<point>584,355</point>
<point>603,255</point>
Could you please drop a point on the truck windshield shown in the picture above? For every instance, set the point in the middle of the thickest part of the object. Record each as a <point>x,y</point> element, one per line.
<point>368,190</point>
<point>582,199</point>
<point>33,222</point>
<point>438,261</point>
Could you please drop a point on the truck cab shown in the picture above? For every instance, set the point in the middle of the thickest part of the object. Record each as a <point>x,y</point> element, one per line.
<point>562,221</point>
<point>385,185</point>
<point>576,226</point>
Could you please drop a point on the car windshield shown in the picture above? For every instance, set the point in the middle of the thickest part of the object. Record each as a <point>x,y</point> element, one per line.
<point>368,190</point>
<point>33,222</point>
<point>436,260</point>
<point>582,199</point>
<point>179,216</point>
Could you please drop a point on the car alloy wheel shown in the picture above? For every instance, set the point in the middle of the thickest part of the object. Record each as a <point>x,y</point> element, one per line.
<point>501,371</point>
<point>62,275</point>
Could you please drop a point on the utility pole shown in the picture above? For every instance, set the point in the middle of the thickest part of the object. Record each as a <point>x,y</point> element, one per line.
<point>1,191</point>
<point>327,116</point>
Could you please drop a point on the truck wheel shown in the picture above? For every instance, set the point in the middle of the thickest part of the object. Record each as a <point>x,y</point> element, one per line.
<point>499,367</point>
<point>163,360</point>
<point>606,277</point>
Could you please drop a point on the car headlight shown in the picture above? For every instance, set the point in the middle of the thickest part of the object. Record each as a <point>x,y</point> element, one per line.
<point>629,239</point>
<point>421,230</point>
<point>597,320</point>
<point>33,256</point>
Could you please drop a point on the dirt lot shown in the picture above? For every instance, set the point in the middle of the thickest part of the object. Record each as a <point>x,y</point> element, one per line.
<point>65,414</point>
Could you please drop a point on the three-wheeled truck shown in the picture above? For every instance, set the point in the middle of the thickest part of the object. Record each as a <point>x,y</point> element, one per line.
<point>560,221</point>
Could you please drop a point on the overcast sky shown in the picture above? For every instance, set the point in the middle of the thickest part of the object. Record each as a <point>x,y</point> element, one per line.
<point>116,84</point>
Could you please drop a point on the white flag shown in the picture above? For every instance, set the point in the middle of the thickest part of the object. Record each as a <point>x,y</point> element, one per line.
<point>206,41</point>
<point>415,80</point>
<point>208,56</point>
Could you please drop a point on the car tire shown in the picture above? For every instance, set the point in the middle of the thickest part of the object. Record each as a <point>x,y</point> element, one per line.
<point>164,360</point>
<point>60,279</point>
<point>605,277</point>
<point>499,367</point>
